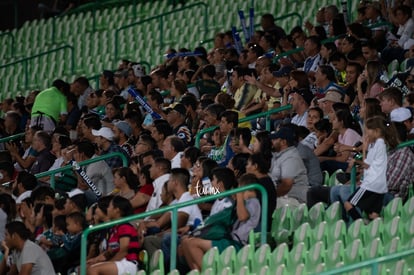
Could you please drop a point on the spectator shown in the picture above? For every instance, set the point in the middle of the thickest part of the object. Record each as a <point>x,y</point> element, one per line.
<point>160,173</point>
<point>42,143</point>
<point>123,240</point>
<point>176,118</point>
<point>81,89</point>
<point>50,106</point>
<point>287,170</point>
<point>173,148</point>
<point>27,255</point>
<point>105,141</point>
<point>122,131</point>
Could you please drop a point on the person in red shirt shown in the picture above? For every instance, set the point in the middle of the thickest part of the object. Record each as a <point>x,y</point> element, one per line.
<point>123,245</point>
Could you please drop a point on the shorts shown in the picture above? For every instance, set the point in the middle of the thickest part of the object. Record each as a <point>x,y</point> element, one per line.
<point>367,201</point>
<point>224,243</point>
<point>126,267</point>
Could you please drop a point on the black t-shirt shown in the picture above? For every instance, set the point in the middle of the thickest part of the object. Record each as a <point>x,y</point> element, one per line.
<point>268,184</point>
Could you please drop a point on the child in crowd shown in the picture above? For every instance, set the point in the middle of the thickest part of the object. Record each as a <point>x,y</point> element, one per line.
<point>248,216</point>
<point>67,255</point>
<point>53,238</point>
<point>379,134</point>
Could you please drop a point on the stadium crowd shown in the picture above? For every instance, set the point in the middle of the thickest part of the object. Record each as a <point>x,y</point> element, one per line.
<point>343,105</point>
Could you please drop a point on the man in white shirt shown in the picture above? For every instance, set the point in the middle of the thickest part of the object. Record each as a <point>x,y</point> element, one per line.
<point>173,148</point>
<point>189,215</point>
<point>160,173</point>
<point>301,100</point>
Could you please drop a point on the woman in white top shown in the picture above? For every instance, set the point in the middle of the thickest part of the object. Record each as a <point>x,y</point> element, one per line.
<point>379,134</point>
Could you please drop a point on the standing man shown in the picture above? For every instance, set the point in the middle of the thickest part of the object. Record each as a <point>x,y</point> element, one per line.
<point>50,106</point>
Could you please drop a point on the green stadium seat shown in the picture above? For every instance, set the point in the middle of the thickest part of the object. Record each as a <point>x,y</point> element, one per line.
<point>393,208</point>
<point>302,234</point>
<point>277,269</point>
<point>355,231</point>
<point>297,255</point>
<point>279,255</point>
<point>408,209</point>
<point>174,272</point>
<point>141,272</point>
<point>243,270</point>
<point>373,230</point>
<point>157,262</point>
<point>264,270</point>
<point>393,67</point>
<point>225,271</point>
<point>143,259</point>
<point>391,229</point>
<point>392,246</point>
<point>334,254</point>
<point>373,249</point>
<point>396,267</point>
<point>299,216</point>
<point>194,272</point>
<point>318,233</point>
<point>245,257</point>
<point>332,179</point>
<point>261,257</point>
<point>281,224</point>
<point>227,259</point>
<point>325,177</point>
<point>298,269</point>
<point>334,232</point>
<point>316,255</point>
<point>209,271</point>
<point>334,212</point>
<point>353,252</point>
<point>407,232</point>
<point>316,214</point>
<point>210,259</point>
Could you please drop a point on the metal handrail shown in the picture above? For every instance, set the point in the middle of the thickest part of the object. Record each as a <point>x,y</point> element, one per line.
<point>245,119</point>
<point>82,163</point>
<point>161,24</point>
<point>26,59</point>
<point>13,137</point>
<point>174,220</point>
<point>13,42</point>
<point>373,263</point>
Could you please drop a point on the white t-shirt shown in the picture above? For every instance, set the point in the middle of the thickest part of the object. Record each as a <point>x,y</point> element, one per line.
<point>155,200</point>
<point>176,160</point>
<point>220,205</point>
<point>300,120</point>
<point>375,178</point>
<point>192,211</point>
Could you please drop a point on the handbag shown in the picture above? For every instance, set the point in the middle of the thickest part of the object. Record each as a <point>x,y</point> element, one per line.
<point>217,226</point>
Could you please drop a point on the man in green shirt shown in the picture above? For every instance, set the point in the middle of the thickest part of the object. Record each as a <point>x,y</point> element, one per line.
<point>50,106</point>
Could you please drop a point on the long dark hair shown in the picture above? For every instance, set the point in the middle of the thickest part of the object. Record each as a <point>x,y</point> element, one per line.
<point>348,121</point>
<point>387,129</point>
<point>130,177</point>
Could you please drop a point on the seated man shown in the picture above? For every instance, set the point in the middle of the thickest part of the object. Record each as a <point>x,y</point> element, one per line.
<point>178,185</point>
